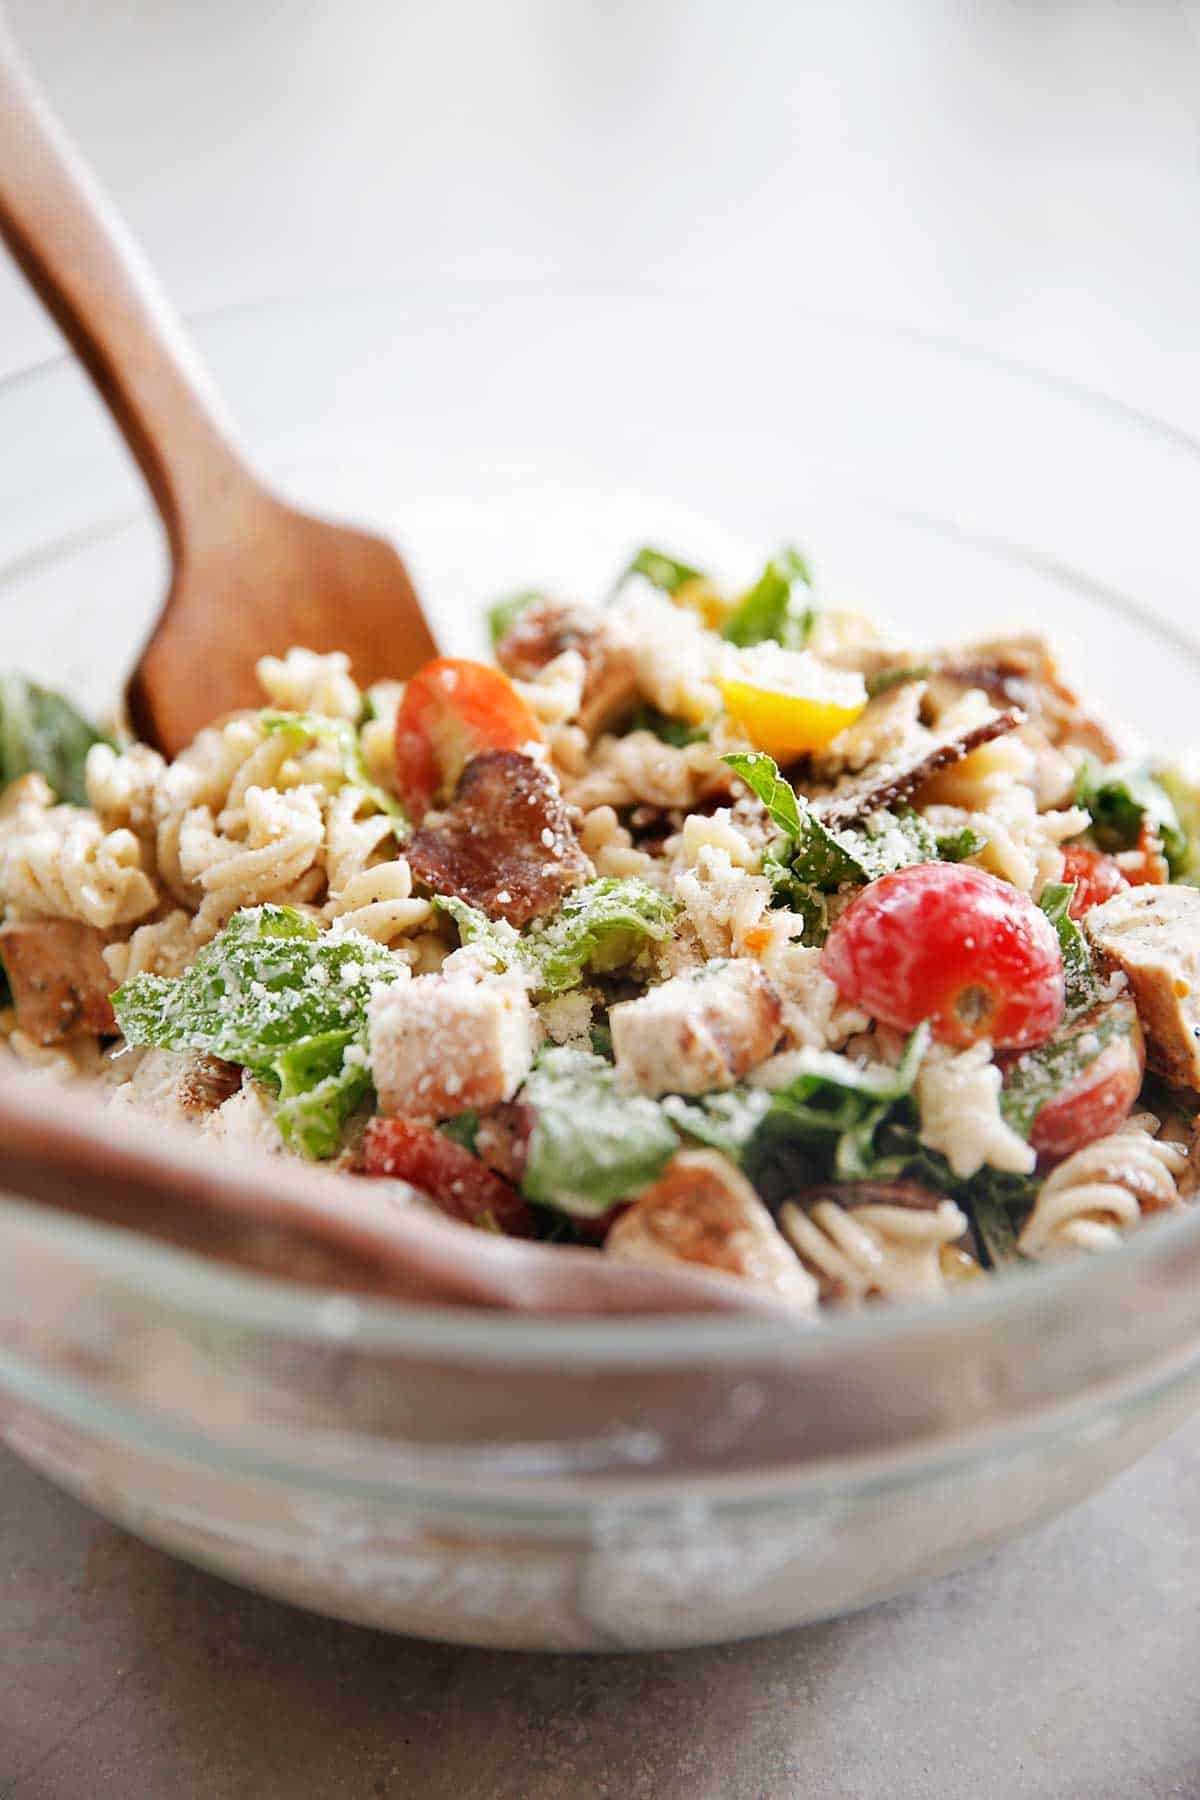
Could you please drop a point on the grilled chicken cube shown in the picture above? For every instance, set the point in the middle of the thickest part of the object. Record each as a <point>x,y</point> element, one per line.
<point>1152,934</point>
<point>702,1211</point>
<point>698,1031</point>
<point>59,981</point>
<point>442,1044</point>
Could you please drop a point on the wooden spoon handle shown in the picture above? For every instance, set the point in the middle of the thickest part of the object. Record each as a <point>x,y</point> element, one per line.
<point>92,277</point>
<point>276,1216</point>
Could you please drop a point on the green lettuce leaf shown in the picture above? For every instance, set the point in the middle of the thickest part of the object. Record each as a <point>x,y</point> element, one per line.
<point>824,858</point>
<point>322,1081</point>
<point>344,738</point>
<point>1082,986</point>
<point>1119,797</point>
<point>761,775</point>
<point>42,733</point>
<point>958,845</point>
<point>830,1120</point>
<point>727,1121</point>
<point>667,573</point>
<point>590,1146</point>
<point>779,607</point>
<point>603,926</point>
<point>274,994</point>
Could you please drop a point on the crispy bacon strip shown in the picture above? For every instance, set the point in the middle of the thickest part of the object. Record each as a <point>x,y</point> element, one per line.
<point>505,843</point>
<point>879,787</point>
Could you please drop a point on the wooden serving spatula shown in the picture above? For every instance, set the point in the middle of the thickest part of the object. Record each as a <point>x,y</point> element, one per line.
<point>250,574</point>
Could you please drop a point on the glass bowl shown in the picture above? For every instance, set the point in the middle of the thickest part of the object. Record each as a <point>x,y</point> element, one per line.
<point>544,1483</point>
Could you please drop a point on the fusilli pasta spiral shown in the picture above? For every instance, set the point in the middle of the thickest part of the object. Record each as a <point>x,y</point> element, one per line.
<point>1093,1198</point>
<point>895,1252</point>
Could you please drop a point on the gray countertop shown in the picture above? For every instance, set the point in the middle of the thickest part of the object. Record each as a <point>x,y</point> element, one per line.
<point>1062,1667</point>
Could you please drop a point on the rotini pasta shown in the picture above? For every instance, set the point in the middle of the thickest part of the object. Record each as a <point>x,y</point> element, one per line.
<point>304,682</point>
<point>892,1252</point>
<point>1090,1201</point>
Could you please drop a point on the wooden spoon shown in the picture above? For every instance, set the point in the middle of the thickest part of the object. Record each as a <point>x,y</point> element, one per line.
<point>276,1216</point>
<point>250,574</point>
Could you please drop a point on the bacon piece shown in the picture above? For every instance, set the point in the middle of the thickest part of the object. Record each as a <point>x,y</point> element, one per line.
<point>879,787</point>
<point>547,629</point>
<point>207,1082</point>
<point>458,1183</point>
<point>505,843</point>
<point>58,977</point>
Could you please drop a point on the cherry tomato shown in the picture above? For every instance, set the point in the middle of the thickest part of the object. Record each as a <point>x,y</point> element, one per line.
<point>1099,1098</point>
<point>1097,878</point>
<point>458,1183</point>
<point>454,709</point>
<point>949,943</point>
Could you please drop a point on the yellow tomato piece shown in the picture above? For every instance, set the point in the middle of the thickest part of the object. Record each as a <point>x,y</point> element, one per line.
<point>786,725</point>
<point>700,596</point>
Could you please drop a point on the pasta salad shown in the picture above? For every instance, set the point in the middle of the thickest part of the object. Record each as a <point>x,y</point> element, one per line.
<point>729,930</point>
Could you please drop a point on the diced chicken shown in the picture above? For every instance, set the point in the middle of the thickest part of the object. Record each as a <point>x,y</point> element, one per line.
<point>698,1031</point>
<point>702,1211</point>
<point>1152,934</point>
<point>59,981</point>
<point>442,1045</point>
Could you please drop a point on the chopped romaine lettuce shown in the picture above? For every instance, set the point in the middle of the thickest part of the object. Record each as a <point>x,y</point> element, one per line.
<point>957,846</point>
<point>42,733</point>
<point>277,996</point>
<point>778,608</point>
<point>1082,987</point>
<point>727,1121</point>
<point>322,1080</point>
<point>590,1146</point>
<point>603,926</point>
<point>662,571</point>
<point>1119,797</point>
<point>836,1108</point>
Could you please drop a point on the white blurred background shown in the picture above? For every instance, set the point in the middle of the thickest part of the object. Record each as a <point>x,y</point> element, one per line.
<point>1019,174</point>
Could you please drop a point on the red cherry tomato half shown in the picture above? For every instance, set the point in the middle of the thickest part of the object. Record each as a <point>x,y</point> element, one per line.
<point>1097,878</point>
<point>1098,1099</point>
<point>454,709</point>
<point>458,1183</point>
<point>949,943</point>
